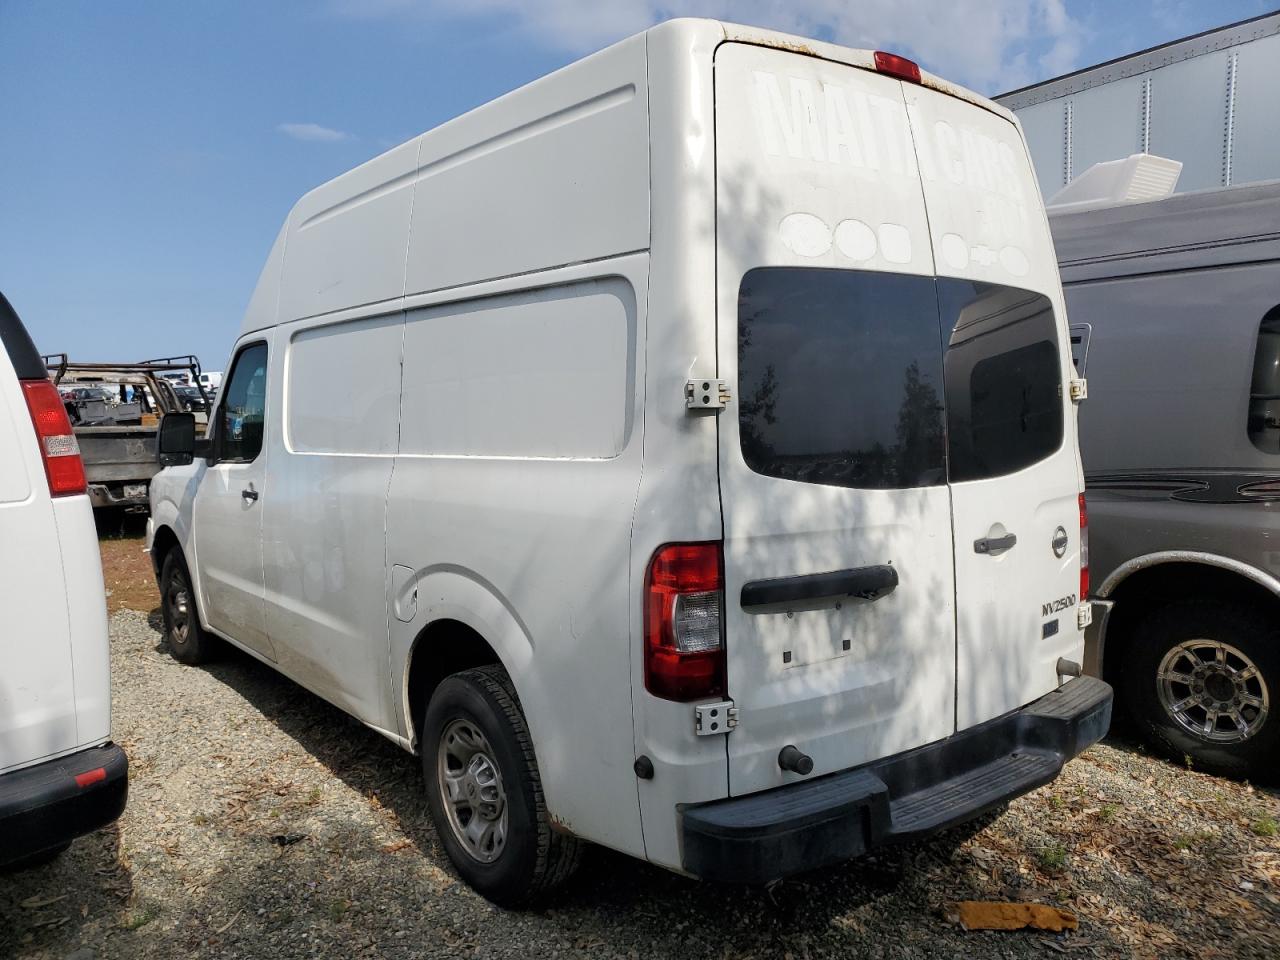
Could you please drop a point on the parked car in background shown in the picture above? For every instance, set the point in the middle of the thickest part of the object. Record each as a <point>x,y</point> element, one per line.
<point>193,399</point>
<point>60,774</point>
<point>210,380</point>
<point>1175,323</point>
<point>696,476</point>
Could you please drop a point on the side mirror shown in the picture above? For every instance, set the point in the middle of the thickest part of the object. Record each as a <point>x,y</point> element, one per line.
<point>176,442</point>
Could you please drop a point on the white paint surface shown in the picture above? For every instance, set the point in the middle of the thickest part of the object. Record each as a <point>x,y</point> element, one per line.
<point>55,695</point>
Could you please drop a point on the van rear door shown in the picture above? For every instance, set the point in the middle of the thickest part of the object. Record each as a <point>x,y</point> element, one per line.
<point>839,581</point>
<point>899,476</point>
<point>37,680</point>
<point>1013,459</point>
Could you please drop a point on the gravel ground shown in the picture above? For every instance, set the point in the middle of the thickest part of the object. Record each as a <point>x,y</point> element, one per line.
<point>263,822</point>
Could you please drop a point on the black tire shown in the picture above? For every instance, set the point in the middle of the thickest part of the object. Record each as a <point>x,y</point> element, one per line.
<point>534,859</point>
<point>1246,629</point>
<point>188,643</point>
<point>38,859</point>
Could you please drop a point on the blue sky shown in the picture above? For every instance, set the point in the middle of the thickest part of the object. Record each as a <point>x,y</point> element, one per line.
<point>149,151</point>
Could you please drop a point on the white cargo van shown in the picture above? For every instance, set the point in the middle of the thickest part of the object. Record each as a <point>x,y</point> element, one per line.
<point>677,452</point>
<point>60,774</point>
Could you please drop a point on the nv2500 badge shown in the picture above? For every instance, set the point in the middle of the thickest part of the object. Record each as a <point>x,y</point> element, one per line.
<point>1057,606</point>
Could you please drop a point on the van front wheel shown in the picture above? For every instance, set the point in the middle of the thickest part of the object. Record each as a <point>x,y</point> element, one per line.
<point>1203,684</point>
<point>484,790</point>
<point>187,641</point>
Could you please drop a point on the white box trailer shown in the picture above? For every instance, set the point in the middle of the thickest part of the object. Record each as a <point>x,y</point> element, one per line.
<point>1207,101</point>
<point>678,452</point>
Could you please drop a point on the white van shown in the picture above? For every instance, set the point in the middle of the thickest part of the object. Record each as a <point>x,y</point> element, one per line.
<point>677,452</point>
<point>60,774</point>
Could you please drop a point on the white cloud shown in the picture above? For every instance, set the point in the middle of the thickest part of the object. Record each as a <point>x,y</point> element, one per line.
<point>312,132</point>
<point>990,45</point>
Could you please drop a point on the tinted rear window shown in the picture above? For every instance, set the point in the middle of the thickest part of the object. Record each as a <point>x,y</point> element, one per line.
<point>841,377</point>
<point>1003,376</point>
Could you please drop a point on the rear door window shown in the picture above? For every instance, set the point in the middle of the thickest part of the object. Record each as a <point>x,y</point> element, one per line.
<point>844,379</point>
<point>1003,376</point>
<point>840,377</point>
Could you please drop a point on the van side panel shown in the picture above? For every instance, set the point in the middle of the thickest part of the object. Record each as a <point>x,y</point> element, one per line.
<point>337,386</point>
<point>346,241</point>
<point>553,173</point>
<point>510,511</point>
<point>1163,476</point>
<point>1144,329</point>
<point>86,617</point>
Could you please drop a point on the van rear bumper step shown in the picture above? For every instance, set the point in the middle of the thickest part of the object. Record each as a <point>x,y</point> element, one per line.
<point>764,836</point>
<point>52,803</point>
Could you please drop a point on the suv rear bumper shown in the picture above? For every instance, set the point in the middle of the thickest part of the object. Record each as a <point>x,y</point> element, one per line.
<point>52,803</point>
<point>764,836</point>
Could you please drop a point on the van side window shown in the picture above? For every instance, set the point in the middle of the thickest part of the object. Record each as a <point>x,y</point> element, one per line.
<point>244,405</point>
<point>1003,376</point>
<point>1264,392</point>
<point>840,377</point>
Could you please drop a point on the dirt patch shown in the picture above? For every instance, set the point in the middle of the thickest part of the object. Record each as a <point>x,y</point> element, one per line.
<point>126,567</point>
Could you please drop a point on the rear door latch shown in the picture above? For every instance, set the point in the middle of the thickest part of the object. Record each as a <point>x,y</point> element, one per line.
<point>1079,390</point>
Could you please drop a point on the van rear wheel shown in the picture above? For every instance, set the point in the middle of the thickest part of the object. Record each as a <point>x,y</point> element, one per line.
<point>485,793</point>
<point>1202,684</point>
<point>187,641</point>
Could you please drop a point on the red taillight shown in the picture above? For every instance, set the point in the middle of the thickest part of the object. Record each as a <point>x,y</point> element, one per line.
<point>683,627</point>
<point>896,66</point>
<point>58,446</point>
<point>1084,551</point>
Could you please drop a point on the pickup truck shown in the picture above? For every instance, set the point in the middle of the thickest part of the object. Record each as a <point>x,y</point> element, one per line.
<point>115,410</point>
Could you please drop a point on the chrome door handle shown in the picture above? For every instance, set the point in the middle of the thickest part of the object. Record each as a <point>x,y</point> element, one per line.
<point>992,544</point>
<point>249,493</point>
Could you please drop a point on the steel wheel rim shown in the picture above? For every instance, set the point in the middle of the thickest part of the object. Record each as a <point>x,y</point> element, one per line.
<point>178,602</point>
<point>1213,691</point>
<point>471,787</point>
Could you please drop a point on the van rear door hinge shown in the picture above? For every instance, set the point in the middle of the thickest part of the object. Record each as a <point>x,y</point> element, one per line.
<point>711,719</point>
<point>1079,390</point>
<point>706,394</point>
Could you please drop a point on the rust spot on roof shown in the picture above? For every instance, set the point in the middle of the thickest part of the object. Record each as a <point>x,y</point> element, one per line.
<point>793,47</point>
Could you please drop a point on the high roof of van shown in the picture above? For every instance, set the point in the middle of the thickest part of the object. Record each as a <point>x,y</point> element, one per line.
<point>1187,230</point>
<point>592,85</point>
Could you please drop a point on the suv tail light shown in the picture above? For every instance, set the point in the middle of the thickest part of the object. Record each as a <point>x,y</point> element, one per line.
<point>896,66</point>
<point>59,448</point>
<point>683,623</point>
<point>1084,551</point>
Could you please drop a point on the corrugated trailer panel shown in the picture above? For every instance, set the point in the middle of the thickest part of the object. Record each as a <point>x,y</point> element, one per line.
<point>1206,100</point>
